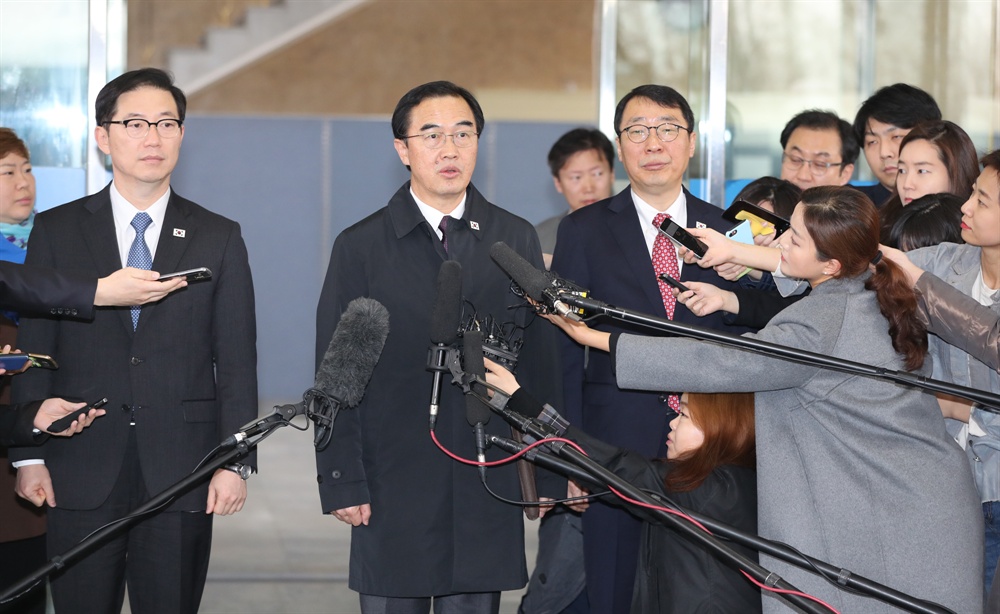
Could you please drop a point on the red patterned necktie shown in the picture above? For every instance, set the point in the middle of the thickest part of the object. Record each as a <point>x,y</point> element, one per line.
<point>665,261</point>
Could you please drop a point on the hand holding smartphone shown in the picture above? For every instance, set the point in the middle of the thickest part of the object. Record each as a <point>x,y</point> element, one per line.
<point>673,283</point>
<point>63,423</point>
<point>190,275</point>
<point>682,238</point>
<point>14,363</point>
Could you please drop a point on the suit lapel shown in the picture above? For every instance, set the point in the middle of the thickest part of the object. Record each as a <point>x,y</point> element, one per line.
<point>624,226</point>
<point>99,234</point>
<point>175,236</point>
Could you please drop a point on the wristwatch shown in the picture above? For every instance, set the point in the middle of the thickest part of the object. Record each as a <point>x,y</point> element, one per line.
<point>244,471</point>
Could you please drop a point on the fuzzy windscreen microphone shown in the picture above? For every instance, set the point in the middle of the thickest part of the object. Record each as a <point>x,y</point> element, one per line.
<point>349,361</point>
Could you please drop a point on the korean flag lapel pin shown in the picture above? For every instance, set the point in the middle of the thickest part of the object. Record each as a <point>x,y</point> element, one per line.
<point>473,225</point>
<point>179,233</point>
<point>700,225</point>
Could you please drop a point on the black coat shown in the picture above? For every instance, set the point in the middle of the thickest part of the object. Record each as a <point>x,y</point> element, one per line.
<point>434,529</point>
<point>17,425</point>
<point>39,290</point>
<point>675,575</point>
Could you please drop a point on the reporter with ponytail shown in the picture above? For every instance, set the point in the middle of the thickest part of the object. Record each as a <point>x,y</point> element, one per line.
<point>854,470</point>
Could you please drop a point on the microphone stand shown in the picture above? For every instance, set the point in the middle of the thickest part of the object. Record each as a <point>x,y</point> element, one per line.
<point>988,401</point>
<point>775,549</point>
<point>250,435</point>
<point>601,475</point>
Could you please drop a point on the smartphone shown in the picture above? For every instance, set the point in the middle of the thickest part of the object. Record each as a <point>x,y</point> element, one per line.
<point>191,274</point>
<point>14,362</point>
<point>741,206</point>
<point>683,238</point>
<point>741,232</point>
<point>63,423</point>
<point>670,281</point>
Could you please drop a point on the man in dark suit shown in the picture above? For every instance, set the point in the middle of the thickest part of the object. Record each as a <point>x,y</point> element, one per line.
<point>611,248</point>
<point>425,528</point>
<point>179,374</point>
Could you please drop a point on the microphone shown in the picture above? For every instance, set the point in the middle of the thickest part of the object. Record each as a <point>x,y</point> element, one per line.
<point>342,377</point>
<point>445,321</point>
<point>348,364</point>
<point>476,413</point>
<point>543,287</point>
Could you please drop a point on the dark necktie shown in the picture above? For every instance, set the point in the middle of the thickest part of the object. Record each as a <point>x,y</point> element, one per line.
<point>444,232</point>
<point>138,255</point>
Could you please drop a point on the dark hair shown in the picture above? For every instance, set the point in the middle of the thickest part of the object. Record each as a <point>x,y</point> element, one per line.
<point>577,140</point>
<point>727,420</point>
<point>107,99</point>
<point>11,143</point>
<point>991,161</point>
<point>929,220</point>
<point>844,225</point>
<point>434,89</point>
<point>662,95</point>
<point>899,105</point>
<point>956,152</point>
<point>817,119</point>
<point>783,195</point>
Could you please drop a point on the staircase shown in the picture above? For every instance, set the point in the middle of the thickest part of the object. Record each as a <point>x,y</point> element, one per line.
<point>264,30</point>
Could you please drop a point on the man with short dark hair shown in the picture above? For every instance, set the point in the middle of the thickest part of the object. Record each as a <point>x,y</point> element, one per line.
<point>818,148</point>
<point>426,531</point>
<point>582,165</point>
<point>880,125</point>
<point>613,248</point>
<point>179,374</point>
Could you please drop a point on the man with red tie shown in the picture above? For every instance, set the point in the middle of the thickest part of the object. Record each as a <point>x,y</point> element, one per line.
<point>614,249</point>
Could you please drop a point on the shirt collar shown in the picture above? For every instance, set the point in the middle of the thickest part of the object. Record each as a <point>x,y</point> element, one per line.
<point>433,216</point>
<point>124,211</point>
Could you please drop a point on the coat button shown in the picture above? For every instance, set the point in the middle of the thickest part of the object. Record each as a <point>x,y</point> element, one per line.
<point>135,361</point>
<point>335,474</point>
<point>664,398</point>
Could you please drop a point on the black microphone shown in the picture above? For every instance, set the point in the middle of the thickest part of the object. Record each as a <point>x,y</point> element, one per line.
<point>475,411</point>
<point>348,364</point>
<point>445,321</point>
<point>342,377</point>
<point>541,286</point>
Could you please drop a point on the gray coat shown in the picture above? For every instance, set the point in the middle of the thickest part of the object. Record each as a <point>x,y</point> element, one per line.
<point>853,470</point>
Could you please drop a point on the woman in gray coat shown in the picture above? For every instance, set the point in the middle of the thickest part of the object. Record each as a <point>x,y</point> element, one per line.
<point>856,471</point>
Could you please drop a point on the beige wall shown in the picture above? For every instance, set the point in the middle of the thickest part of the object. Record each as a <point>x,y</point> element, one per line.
<point>524,59</point>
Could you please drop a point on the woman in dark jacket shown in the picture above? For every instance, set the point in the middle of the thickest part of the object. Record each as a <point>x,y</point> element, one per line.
<point>709,469</point>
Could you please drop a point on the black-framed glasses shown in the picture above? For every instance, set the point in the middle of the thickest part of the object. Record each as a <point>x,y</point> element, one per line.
<point>436,140</point>
<point>137,128</point>
<point>666,132</point>
<point>817,168</point>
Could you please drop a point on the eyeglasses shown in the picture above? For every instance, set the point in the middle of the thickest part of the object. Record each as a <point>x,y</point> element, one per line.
<point>665,132</point>
<point>817,168</point>
<point>436,140</point>
<point>138,128</point>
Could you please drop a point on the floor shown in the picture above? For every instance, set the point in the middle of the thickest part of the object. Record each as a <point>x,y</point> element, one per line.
<point>280,554</point>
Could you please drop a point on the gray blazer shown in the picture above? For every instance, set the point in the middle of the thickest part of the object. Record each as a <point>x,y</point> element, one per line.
<point>853,470</point>
<point>959,266</point>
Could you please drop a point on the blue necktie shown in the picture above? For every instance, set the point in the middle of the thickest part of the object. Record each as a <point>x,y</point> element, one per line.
<point>138,255</point>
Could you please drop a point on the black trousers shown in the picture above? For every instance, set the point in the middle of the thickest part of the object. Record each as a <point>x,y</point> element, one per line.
<point>461,603</point>
<point>163,559</point>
